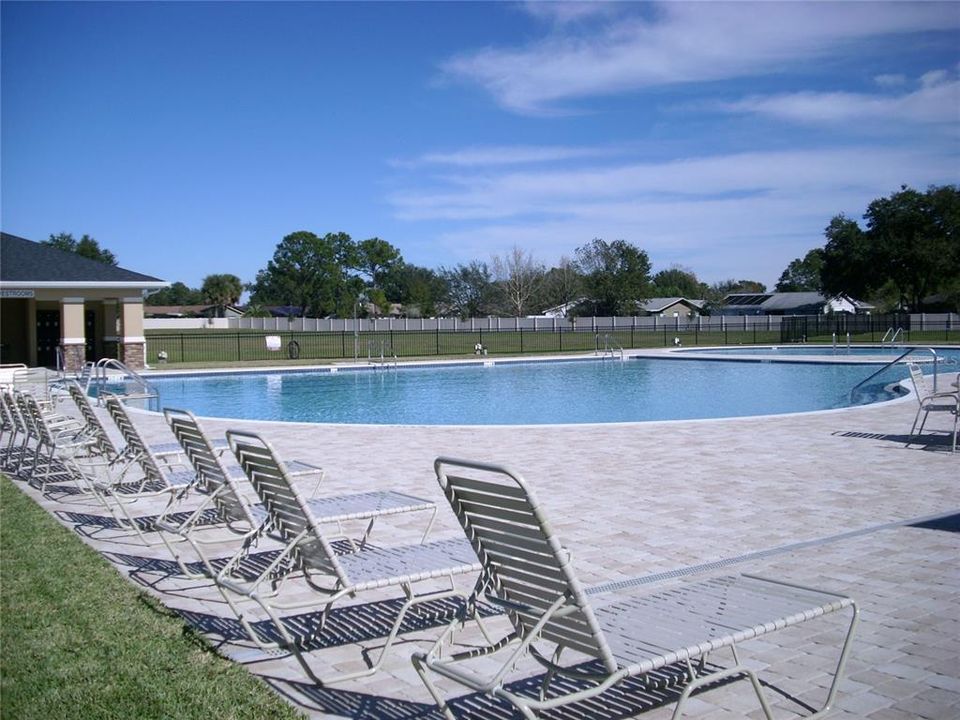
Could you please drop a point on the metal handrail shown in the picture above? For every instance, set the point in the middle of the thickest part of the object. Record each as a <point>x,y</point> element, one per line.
<point>891,334</point>
<point>383,350</point>
<point>936,360</point>
<point>146,390</point>
<point>611,347</point>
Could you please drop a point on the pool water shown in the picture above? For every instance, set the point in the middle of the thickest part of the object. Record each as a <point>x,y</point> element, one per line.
<point>550,392</point>
<point>840,351</point>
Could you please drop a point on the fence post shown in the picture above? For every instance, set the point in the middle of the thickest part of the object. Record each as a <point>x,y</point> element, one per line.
<point>438,337</point>
<point>238,346</point>
<point>521,340</point>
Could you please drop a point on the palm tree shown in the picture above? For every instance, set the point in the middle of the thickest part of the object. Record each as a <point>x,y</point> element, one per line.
<point>222,290</point>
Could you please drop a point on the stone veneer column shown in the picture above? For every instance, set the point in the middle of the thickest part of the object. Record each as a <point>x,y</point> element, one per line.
<point>133,343</point>
<point>72,335</point>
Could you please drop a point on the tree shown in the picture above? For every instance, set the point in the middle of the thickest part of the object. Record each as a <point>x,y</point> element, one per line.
<point>562,285</point>
<point>678,281</point>
<point>176,294</point>
<point>520,278</point>
<point>222,290</point>
<point>847,260</point>
<point>375,258</point>
<point>419,289</point>
<point>913,238</point>
<point>616,276</point>
<point>85,247</point>
<point>470,289</point>
<point>802,275</point>
<point>307,272</point>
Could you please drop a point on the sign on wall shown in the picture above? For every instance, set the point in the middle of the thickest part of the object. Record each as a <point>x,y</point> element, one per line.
<point>5,293</point>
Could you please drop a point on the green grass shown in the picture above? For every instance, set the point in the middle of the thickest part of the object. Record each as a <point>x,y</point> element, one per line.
<point>79,641</point>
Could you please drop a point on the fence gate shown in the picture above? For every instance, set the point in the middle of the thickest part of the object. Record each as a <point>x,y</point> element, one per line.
<point>793,329</point>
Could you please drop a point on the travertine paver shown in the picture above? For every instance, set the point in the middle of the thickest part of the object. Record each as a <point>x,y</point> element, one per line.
<point>635,499</point>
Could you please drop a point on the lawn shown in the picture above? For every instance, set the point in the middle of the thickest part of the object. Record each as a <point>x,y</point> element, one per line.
<point>79,641</point>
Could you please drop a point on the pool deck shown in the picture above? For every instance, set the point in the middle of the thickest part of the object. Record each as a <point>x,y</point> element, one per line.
<point>836,500</point>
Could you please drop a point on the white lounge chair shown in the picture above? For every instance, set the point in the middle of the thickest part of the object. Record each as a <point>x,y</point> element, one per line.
<point>309,555</point>
<point>529,574</point>
<point>217,482</point>
<point>55,437</point>
<point>930,401</point>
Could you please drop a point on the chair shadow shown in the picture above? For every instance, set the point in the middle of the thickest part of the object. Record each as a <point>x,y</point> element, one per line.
<point>630,698</point>
<point>344,626</point>
<point>930,441</point>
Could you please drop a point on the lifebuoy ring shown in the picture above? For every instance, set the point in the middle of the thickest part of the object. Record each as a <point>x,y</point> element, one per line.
<point>293,349</point>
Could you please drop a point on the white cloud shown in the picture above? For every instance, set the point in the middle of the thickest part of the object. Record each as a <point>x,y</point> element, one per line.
<point>684,42</point>
<point>563,13</point>
<point>745,214</point>
<point>934,78</point>
<point>890,80</point>
<point>936,101</point>
<point>507,155</point>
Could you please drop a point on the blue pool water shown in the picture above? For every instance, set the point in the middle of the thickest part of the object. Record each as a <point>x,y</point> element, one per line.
<point>528,393</point>
<point>811,350</point>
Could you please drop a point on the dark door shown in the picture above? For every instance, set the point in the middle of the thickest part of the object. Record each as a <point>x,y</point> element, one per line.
<point>48,337</point>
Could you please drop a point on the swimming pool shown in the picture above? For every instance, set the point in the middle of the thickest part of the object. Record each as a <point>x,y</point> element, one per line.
<point>528,393</point>
<point>840,351</point>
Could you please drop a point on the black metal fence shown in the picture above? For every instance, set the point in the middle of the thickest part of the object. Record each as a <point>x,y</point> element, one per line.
<point>233,346</point>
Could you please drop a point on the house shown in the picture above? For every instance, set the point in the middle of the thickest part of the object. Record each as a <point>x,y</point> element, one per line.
<point>791,303</point>
<point>560,311</point>
<point>51,298</point>
<point>190,311</point>
<point>677,307</point>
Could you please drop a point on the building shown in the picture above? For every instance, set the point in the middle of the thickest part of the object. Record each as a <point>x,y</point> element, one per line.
<point>190,311</point>
<point>673,307</point>
<point>791,303</point>
<point>50,298</point>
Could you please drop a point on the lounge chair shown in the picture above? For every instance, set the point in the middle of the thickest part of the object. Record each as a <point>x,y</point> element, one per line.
<point>14,428</point>
<point>105,443</point>
<point>234,513</point>
<point>530,576</point>
<point>308,554</point>
<point>930,401</point>
<point>55,436</point>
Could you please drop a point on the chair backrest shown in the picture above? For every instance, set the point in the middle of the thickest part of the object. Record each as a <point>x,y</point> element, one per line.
<point>137,448</point>
<point>919,382</point>
<point>105,444</point>
<point>26,415</point>
<point>212,476</point>
<point>290,516</point>
<point>525,565</point>
<point>6,416</point>
<point>13,409</point>
<point>34,416</point>
<point>85,376</point>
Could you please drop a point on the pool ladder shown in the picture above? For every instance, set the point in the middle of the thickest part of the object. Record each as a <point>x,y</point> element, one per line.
<point>387,357</point>
<point>891,336</point>
<point>611,349</point>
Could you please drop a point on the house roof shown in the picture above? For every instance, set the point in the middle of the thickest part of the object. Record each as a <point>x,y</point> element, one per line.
<point>785,301</point>
<point>658,304</point>
<point>27,263</point>
<point>791,300</point>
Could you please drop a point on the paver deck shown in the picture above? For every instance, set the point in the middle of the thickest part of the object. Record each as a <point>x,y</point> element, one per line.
<point>829,499</point>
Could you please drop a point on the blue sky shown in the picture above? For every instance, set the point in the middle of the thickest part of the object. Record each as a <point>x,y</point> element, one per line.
<point>189,138</point>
